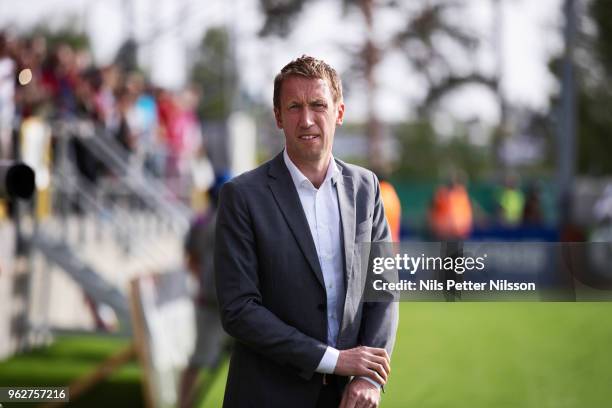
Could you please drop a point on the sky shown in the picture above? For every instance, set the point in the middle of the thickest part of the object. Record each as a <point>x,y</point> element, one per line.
<point>169,31</point>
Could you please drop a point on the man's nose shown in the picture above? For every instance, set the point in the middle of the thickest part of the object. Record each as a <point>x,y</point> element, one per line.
<point>306,118</point>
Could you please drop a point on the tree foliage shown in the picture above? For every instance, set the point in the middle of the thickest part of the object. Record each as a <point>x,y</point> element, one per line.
<point>425,157</point>
<point>279,15</point>
<point>214,72</point>
<point>426,26</point>
<point>66,34</point>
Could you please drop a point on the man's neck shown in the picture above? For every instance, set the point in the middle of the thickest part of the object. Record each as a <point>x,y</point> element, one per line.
<point>314,171</point>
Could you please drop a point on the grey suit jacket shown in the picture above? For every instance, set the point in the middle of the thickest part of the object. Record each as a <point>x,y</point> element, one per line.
<point>271,290</point>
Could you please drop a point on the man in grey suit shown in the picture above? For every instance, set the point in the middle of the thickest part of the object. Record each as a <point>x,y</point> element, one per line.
<point>287,262</point>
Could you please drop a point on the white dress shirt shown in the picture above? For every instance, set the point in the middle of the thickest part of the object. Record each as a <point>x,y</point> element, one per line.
<point>323,215</point>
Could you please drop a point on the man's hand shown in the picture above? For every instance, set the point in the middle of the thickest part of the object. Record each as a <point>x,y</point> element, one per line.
<point>359,393</point>
<point>364,361</point>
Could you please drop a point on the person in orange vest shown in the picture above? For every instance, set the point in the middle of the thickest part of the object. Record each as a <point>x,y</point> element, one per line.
<point>450,216</point>
<point>392,205</point>
<point>450,220</point>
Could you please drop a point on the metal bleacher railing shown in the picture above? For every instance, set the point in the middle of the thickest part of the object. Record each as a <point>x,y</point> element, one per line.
<point>100,231</point>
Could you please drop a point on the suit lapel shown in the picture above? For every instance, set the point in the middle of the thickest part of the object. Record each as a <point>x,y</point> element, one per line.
<point>346,202</point>
<point>288,201</point>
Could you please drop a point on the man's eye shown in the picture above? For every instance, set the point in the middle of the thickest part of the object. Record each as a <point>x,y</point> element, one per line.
<point>320,105</point>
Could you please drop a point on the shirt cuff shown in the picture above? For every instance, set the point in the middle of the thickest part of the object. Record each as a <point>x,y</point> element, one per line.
<point>368,379</point>
<point>327,365</point>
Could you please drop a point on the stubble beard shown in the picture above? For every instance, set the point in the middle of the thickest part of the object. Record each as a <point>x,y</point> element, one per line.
<point>314,155</point>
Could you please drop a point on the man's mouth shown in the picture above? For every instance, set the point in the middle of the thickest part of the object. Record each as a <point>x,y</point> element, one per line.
<point>308,137</point>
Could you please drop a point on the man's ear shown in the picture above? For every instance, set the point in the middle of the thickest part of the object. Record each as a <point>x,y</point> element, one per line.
<point>340,117</point>
<point>277,116</point>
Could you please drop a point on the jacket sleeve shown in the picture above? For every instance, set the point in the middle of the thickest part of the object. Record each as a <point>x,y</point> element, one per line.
<point>240,303</point>
<point>380,318</point>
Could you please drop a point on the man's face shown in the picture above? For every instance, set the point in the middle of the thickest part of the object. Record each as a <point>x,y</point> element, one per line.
<point>308,116</point>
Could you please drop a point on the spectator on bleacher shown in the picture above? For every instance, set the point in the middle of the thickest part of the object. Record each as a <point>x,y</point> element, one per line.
<point>167,112</point>
<point>189,129</point>
<point>161,131</point>
<point>142,119</point>
<point>124,133</point>
<point>31,92</point>
<point>60,76</point>
<point>105,97</point>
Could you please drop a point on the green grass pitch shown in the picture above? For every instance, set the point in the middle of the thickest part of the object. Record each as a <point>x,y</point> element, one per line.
<point>469,355</point>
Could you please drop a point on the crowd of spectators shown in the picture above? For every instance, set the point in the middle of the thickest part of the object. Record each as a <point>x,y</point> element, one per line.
<point>43,84</point>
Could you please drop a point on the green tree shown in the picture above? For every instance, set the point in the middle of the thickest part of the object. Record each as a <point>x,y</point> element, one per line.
<point>424,157</point>
<point>424,24</point>
<point>65,34</point>
<point>214,72</point>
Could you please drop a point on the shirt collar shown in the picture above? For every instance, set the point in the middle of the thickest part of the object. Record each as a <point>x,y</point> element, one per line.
<point>299,179</point>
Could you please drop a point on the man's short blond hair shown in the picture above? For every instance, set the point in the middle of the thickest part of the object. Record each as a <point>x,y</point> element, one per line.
<point>312,68</point>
